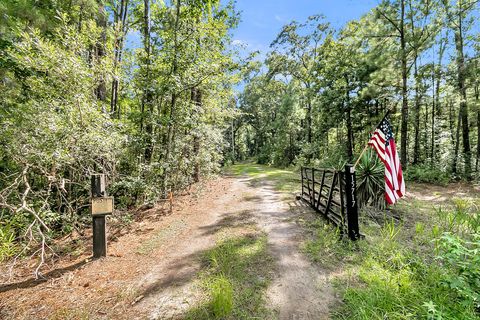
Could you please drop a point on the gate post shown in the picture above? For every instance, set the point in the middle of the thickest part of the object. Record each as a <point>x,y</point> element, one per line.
<point>98,221</point>
<point>301,174</point>
<point>351,197</point>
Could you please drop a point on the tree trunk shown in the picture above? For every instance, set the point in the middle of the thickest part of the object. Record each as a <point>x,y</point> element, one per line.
<point>120,20</point>
<point>173,101</point>
<point>309,121</point>
<point>437,110</point>
<point>457,143</point>
<point>477,99</point>
<point>463,95</point>
<point>147,103</point>
<point>416,148</point>
<point>451,122</point>
<point>432,138</point>
<point>197,98</point>
<point>349,123</point>
<point>403,53</point>
<point>100,52</point>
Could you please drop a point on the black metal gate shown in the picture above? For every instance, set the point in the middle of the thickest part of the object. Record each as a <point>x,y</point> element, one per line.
<point>332,193</point>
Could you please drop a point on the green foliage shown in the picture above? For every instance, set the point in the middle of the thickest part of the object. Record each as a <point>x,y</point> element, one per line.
<point>76,102</point>
<point>433,277</point>
<point>235,276</point>
<point>8,247</point>
<point>398,284</point>
<point>428,174</point>
<point>462,259</point>
<point>370,180</point>
<point>222,297</point>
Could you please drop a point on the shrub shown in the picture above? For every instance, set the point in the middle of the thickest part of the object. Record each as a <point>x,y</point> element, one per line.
<point>7,244</point>
<point>370,181</point>
<point>427,174</point>
<point>462,259</point>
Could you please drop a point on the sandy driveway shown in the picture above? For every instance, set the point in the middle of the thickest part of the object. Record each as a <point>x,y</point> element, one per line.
<point>299,290</point>
<point>150,273</point>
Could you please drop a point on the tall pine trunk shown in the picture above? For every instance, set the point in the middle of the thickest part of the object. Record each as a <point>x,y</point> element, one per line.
<point>100,53</point>
<point>461,77</point>
<point>403,58</point>
<point>416,149</point>
<point>477,100</point>
<point>173,102</point>
<point>147,105</point>
<point>120,20</point>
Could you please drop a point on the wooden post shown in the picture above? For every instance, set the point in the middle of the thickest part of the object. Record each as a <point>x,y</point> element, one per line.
<point>99,221</point>
<point>312,192</point>
<point>330,194</point>
<point>313,187</point>
<point>301,175</point>
<point>320,189</point>
<point>351,197</point>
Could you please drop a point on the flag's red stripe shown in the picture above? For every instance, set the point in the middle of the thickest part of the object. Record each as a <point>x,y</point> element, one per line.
<point>394,183</point>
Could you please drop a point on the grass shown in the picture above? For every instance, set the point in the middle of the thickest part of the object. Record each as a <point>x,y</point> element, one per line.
<point>283,180</point>
<point>70,314</point>
<point>401,271</point>
<point>425,266</point>
<point>234,278</point>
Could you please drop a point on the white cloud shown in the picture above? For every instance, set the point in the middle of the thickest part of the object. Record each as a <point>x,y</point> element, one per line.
<point>238,42</point>
<point>281,19</point>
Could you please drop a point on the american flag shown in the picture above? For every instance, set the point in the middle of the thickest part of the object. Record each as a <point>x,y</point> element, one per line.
<point>382,141</point>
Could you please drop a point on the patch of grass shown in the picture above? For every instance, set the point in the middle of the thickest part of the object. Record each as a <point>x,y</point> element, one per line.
<point>235,276</point>
<point>394,283</point>
<point>283,180</point>
<point>221,291</point>
<point>394,277</point>
<point>422,267</point>
<point>325,246</point>
<point>71,314</point>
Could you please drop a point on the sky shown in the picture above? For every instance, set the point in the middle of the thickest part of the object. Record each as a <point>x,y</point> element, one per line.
<point>262,20</point>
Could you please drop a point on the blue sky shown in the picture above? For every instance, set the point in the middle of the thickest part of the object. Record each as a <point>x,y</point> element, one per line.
<point>262,20</point>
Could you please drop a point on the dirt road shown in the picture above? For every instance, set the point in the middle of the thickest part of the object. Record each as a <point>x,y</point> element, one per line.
<point>298,291</point>
<point>160,263</point>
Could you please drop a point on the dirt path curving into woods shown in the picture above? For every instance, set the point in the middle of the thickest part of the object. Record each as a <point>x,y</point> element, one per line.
<point>151,270</point>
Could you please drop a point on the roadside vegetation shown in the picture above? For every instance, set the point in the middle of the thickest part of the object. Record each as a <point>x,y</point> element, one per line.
<point>418,260</point>
<point>234,278</point>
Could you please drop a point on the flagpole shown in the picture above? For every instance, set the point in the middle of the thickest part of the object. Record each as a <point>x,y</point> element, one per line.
<point>366,146</point>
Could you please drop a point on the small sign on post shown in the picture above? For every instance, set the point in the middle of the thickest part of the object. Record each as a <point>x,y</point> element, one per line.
<point>101,206</point>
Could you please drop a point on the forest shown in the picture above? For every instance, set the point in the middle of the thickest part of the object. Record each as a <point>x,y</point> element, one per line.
<point>159,97</point>
<point>76,101</point>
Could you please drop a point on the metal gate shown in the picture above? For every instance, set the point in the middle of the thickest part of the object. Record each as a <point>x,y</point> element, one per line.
<point>332,193</point>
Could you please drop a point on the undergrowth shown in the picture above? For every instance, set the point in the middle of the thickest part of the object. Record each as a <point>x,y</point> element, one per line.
<point>401,272</point>
<point>427,174</point>
<point>235,275</point>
